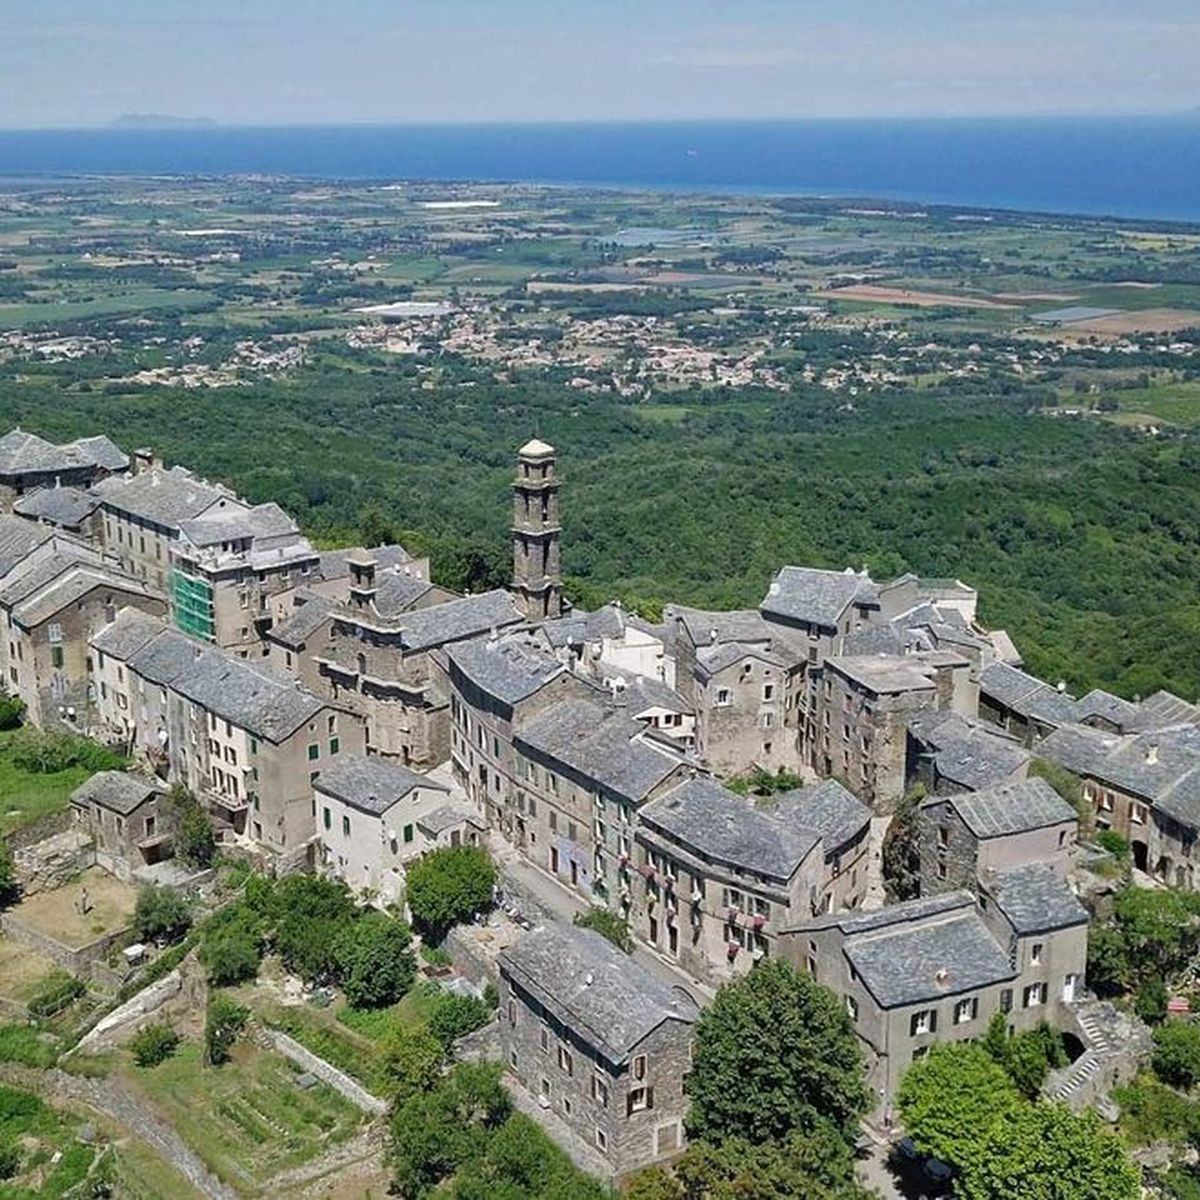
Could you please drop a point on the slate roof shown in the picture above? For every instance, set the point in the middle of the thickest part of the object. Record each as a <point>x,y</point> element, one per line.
<point>510,669</point>
<point>371,784</point>
<point>18,539</point>
<point>642,693</point>
<point>740,625</point>
<point>246,694</point>
<point>600,744</point>
<point>65,506</point>
<point>711,660</point>
<point>1035,900</point>
<point>1164,709</point>
<point>920,960</point>
<point>1102,704</point>
<point>1025,695</point>
<point>335,563</point>
<point>968,752</point>
<point>396,593</point>
<point>23,453</point>
<point>594,989</point>
<point>447,816</point>
<point>814,597</point>
<point>70,587</point>
<point>885,674</point>
<point>456,620</point>
<point>1011,808</point>
<point>580,627</point>
<point>165,497</point>
<point>118,791</point>
<point>828,810</point>
<point>233,525</point>
<point>727,828</point>
<point>303,621</point>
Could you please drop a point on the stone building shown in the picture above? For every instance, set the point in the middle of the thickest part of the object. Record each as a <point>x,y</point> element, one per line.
<point>1021,704</point>
<point>950,753</point>
<point>603,1045</point>
<point>374,816</point>
<point>247,742</point>
<point>68,510</point>
<point>126,819</point>
<point>537,534</point>
<point>28,462</point>
<point>51,603</point>
<point>863,705</point>
<point>721,877</point>
<point>937,969</point>
<point>962,837</point>
<point>611,643</point>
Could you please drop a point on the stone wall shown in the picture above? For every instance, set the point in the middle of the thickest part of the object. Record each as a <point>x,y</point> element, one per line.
<point>326,1072</point>
<point>76,959</point>
<point>53,861</point>
<point>41,829</point>
<point>128,1018</point>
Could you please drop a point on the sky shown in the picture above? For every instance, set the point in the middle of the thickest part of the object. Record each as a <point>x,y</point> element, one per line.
<point>86,62</point>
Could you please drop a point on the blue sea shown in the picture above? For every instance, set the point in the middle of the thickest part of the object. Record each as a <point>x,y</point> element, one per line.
<point>1128,167</point>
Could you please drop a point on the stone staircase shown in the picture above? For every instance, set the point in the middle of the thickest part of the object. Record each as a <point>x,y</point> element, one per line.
<point>1113,1047</point>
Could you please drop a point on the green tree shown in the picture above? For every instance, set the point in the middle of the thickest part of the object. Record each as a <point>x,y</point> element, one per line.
<point>161,914</point>
<point>434,1132</point>
<point>309,915</point>
<point>609,925</point>
<point>447,887</point>
<point>376,965</point>
<point>654,1183</point>
<point>949,1099</point>
<point>195,840</point>
<point>1109,970</point>
<point>1027,1057</point>
<point>412,1060</point>
<point>1176,1058</point>
<point>12,712</point>
<point>1161,928</point>
<point>224,1020</point>
<point>231,947</point>
<point>9,888</point>
<point>1044,1152</point>
<point>454,1016</point>
<point>774,1053</point>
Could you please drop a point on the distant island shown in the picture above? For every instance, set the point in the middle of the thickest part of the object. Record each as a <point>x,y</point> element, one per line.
<point>158,121</point>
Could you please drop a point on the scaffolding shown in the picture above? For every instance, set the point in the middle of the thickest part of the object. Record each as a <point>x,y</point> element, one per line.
<point>192,602</point>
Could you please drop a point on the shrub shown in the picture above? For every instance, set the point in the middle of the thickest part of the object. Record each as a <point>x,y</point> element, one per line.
<point>195,841</point>
<point>54,993</point>
<point>21,1044</point>
<point>9,888</point>
<point>1176,1057</point>
<point>223,1021</point>
<point>154,1044</point>
<point>44,753</point>
<point>10,1161</point>
<point>1114,843</point>
<point>608,925</point>
<point>454,1016</point>
<point>12,711</point>
<point>231,945</point>
<point>1150,1002</point>
<point>161,914</point>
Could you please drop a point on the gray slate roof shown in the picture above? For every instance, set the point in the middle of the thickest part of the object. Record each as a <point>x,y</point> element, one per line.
<point>741,625</point>
<point>73,585</point>
<point>727,828</point>
<point>826,809</point>
<point>1026,695</point>
<point>64,506</point>
<point>814,597</point>
<point>131,630</point>
<point>1011,808</point>
<point>18,539</point>
<point>221,525</point>
<point>599,744</point>
<point>23,453</point>
<point>581,627</point>
<point>371,784</point>
<point>165,497</point>
<point>642,693</point>
<point>967,752</point>
<point>510,669</point>
<point>118,791</point>
<point>920,962</point>
<point>457,620</point>
<point>396,593</point>
<point>1101,704</point>
<point>1164,709</point>
<point>335,563</point>
<point>303,621</point>
<point>1035,900</point>
<point>710,660</point>
<point>600,993</point>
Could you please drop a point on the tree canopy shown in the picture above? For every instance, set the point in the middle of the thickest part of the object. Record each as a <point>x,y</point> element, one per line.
<point>375,962</point>
<point>447,887</point>
<point>775,1053</point>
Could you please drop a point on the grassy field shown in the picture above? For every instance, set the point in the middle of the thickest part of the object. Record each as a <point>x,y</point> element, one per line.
<point>25,796</point>
<point>1177,403</point>
<point>247,1120</point>
<point>53,1162</point>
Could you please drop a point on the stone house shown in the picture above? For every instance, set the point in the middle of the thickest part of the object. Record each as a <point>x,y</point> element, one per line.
<point>28,462</point>
<point>950,753</point>
<point>374,816</point>
<point>126,819</point>
<point>937,969</point>
<point>720,877</point>
<point>965,836</point>
<point>611,643</point>
<point>51,604</point>
<point>247,742</point>
<point>863,705</point>
<point>601,1043</point>
<point>68,510</point>
<point>1021,704</point>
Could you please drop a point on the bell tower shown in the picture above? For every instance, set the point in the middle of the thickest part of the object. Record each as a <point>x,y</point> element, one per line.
<point>537,569</point>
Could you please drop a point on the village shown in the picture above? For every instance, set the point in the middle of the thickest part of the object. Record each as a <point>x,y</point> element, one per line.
<point>723,789</point>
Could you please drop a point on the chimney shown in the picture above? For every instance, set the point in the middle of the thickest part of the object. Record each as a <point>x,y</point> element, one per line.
<point>1152,754</point>
<point>144,460</point>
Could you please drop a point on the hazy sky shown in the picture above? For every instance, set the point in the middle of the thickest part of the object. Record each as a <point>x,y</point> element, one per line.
<point>81,62</point>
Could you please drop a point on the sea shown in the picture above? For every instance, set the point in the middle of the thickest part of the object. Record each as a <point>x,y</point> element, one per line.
<point>1130,167</point>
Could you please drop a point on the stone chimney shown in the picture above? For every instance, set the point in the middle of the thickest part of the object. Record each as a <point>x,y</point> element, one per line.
<point>144,459</point>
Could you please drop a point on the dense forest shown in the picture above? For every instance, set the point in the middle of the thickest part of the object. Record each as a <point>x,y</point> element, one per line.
<point>1082,537</point>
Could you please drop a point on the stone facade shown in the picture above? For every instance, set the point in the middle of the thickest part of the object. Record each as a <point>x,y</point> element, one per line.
<point>537,534</point>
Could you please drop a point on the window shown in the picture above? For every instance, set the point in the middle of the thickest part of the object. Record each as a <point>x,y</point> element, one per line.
<point>334,745</point>
<point>944,836</point>
<point>923,1022</point>
<point>512,1059</point>
<point>966,1010</point>
<point>724,698</point>
<point>768,691</point>
<point>601,1139</point>
<point>1034,995</point>
<point>512,1012</point>
<point>56,657</point>
<point>408,834</point>
<point>314,752</point>
<point>640,1100</point>
<point>327,819</point>
<point>639,1067</point>
<point>544,1089</point>
<point>544,1039</point>
<point>565,1061</point>
<point>1035,954</point>
<point>600,1090</point>
<point>1006,998</point>
<point>345,826</point>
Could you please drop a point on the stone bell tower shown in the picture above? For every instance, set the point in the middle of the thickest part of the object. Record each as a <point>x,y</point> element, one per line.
<point>537,570</point>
